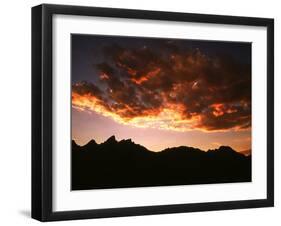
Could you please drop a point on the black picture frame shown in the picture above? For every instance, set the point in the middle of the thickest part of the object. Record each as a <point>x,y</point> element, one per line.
<point>42,111</point>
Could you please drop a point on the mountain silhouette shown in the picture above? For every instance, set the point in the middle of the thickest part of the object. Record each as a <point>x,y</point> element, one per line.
<point>116,164</point>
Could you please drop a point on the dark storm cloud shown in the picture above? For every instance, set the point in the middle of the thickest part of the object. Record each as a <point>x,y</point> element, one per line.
<point>208,92</point>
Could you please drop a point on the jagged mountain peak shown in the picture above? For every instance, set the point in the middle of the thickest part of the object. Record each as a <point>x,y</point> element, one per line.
<point>127,141</point>
<point>111,140</point>
<point>225,151</point>
<point>226,148</point>
<point>92,142</point>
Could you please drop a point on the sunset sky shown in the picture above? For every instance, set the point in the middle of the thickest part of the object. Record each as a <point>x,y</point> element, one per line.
<point>161,92</point>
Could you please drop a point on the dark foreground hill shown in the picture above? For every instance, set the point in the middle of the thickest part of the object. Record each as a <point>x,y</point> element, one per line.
<point>114,164</point>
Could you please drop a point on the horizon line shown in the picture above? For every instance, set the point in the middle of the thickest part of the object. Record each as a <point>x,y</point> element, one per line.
<point>246,152</point>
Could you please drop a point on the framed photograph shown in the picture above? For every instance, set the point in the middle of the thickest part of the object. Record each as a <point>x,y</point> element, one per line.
<point>146,112</point>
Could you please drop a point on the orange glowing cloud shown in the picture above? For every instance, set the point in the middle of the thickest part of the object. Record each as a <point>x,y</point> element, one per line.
<point>146,77</point>
<point>169,117</point>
